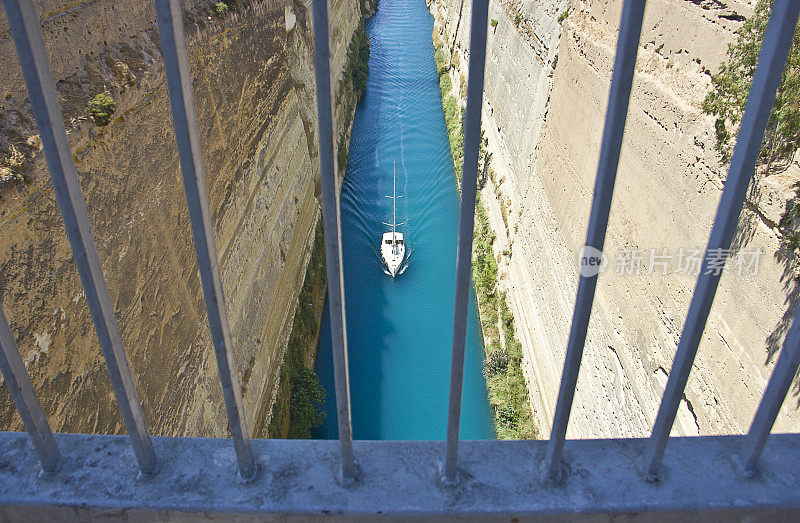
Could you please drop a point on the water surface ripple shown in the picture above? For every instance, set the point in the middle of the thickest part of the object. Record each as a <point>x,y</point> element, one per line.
<point>399,331</point>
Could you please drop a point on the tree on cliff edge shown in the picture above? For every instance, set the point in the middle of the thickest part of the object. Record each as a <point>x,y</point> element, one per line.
<point>731,85</point>
<point>726,101</point>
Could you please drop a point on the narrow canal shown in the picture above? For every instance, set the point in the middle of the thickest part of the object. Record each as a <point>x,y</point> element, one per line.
<point>399,331</point>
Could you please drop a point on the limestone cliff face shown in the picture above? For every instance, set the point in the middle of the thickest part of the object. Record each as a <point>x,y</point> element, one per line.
<point>256,112</point>
<point>547,79</point>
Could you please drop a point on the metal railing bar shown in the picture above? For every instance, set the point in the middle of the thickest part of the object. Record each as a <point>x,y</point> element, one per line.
<point>333,237</point>
<point>614,128</point>
<point>27,35</point>
<point>466,225</point>
<point>774,396</point>
<point>24,396</point>
<point>179,83</point>
<point>771,60</point>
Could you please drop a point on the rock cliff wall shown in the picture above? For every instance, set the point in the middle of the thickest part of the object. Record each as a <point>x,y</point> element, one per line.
<point>252,70</point>
<point>548,71</point>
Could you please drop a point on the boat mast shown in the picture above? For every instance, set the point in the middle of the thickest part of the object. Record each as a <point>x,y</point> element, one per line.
<point>394,205</point>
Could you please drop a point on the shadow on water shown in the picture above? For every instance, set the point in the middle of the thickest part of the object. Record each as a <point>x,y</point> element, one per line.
<point>399,330</point>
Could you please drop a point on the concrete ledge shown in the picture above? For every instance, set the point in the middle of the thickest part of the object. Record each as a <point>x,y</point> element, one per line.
<point>197,478</point>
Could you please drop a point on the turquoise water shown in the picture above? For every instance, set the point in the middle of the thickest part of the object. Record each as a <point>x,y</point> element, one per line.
<point>400,331</point>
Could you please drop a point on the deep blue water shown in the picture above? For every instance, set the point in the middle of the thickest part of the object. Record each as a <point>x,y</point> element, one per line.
<point>400,331</point>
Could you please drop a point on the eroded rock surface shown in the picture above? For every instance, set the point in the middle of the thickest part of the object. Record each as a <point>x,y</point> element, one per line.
<point>253,85</point>
<point>548,71</point>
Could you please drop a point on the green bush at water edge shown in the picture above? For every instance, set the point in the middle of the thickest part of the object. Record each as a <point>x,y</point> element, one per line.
<point>505,382</point>
<point>307,395</point>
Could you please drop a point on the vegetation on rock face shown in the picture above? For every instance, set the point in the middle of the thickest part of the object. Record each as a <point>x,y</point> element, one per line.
<point>445,85</point>
<point>484,264</point>
<point>368,7</point>
<point>731,85</point>
<point>502,367</point>
<point>726,101</point>
<point>358,60</point>
<point>442,64</point>
<point>101,107</point>
<point>307,400</point>
<point>508,393</point>
<point>307,396</point>
<point>221,9</point>
<point>357,72</point>
<point>728,96</point>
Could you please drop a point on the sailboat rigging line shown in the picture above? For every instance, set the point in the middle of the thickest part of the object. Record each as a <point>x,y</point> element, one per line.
<point>392,243</point>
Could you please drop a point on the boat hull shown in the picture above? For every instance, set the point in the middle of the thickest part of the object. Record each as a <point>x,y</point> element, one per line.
<point>393,252</point>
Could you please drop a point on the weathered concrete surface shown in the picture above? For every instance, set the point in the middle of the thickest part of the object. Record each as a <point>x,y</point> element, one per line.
<point>254,112</point>
<point>545,99</point>
<point>197,479</point>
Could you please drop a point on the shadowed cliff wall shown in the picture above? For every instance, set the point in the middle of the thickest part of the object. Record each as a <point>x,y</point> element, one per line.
<point>256,115</point>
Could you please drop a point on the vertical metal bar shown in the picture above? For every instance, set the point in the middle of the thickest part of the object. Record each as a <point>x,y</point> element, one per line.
<point>466,225</point>
<point>616,114</point>
<point>179,83</point>
<point>775,48</point>
<point>27,36</point>
<point>774,395</point>
<point>25,399</point>
<point>333,236</point>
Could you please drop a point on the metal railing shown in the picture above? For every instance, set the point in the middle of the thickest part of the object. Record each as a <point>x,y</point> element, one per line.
<point>27,36</point>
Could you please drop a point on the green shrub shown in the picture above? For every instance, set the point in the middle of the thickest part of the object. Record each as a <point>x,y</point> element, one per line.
<point>505,382</point>
<point>359,59</point>
<point>221,9</point>
<point>496,362</point>
<point>457,151</point>
<point>307,398</point>
<point>731,85</point>
<point>563,16</point>
<point>445,84</point>
<point>101,107</point>
<point>493,22</point>
<point>440,58</point>
<point>357,69</point>
<point>306,395</point>
<point>517,19</point>
<point>450,110</point>
<point>727,99</point>
<point>453,121</point>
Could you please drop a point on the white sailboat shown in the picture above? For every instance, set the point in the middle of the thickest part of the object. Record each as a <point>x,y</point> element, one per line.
<point>393,249</point>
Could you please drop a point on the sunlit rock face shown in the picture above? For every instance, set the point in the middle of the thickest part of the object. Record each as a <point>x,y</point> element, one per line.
<point>548,71</point>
